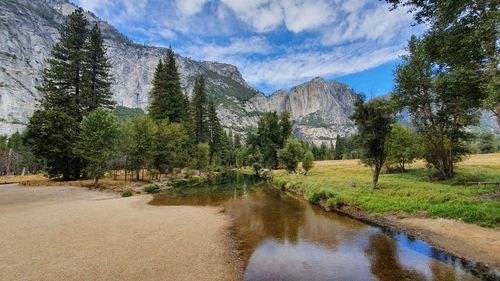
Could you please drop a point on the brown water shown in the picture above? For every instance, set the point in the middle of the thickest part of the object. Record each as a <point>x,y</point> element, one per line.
<point>284,238</point>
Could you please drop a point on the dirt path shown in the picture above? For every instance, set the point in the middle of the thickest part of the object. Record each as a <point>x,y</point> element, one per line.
<point>61,233</point>
<point>465,240</point>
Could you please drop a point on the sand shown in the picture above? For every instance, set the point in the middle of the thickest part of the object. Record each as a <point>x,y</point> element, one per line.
<point>462,239</point>
<point>70,233</point>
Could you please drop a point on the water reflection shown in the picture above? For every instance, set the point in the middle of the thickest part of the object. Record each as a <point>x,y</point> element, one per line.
<point>282,238</point>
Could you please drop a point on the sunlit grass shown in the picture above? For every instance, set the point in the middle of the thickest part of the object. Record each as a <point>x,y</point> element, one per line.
<point>347,182</point>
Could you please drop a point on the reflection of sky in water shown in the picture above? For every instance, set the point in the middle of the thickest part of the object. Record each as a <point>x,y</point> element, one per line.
<point>306,261</point>
<point>287,239</point>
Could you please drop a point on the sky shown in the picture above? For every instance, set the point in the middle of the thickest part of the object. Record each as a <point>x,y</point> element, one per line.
<point>276,44</point>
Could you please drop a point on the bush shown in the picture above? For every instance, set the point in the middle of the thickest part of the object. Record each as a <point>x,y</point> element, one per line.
<point>308,162</point>
<point>127,193</point>
<point>152,188</point>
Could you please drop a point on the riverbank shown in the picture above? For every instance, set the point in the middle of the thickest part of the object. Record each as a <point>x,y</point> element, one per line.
<point>447,215</point>
<point>69,233</point>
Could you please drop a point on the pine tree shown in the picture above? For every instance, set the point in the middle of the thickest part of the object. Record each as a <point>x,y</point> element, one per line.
<point>62,79</point>
<point>53,128</point>
<point>96,78</point>
<point>199,111</point>
<point>167,100</point>
<point>217,137</point>
<point>157,109</point>
<point>177,103</point>
<point>75,82</point>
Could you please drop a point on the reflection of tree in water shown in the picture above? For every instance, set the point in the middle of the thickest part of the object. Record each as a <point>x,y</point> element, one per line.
<point>384,261</point>
<point>265,213</point>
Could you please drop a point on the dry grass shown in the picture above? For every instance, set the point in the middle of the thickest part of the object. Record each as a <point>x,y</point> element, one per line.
<point>41,180</point>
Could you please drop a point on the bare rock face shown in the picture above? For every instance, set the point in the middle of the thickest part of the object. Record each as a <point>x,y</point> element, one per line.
<point>28,29</point>
<point>319,109</point>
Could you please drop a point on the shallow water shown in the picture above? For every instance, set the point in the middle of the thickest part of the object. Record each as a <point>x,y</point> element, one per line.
<point>284,238</point>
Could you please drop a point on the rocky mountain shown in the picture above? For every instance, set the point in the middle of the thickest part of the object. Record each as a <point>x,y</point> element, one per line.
<point>28,29</point>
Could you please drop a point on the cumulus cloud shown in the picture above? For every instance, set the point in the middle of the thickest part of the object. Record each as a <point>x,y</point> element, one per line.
<point>190,7</point>
<point>236,47</point>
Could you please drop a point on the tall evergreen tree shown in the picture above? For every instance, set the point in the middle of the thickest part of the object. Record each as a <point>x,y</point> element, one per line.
<point>62,79</point>
<point>75,82</point>
<point>217,137</point>
<point>167,100</point>
<point>96,77</point>
<point>157,108</point>
<point>177,105</point>
<point>199,110</point>
<point>53,128</point>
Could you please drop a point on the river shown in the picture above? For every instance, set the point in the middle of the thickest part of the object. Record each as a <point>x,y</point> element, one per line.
<point>285,238</point>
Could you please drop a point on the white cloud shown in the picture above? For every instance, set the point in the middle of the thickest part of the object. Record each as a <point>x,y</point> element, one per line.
<point>301,15</point>
<point>261,15</point>
<point>285,71</point>
<point>190,7</point>
<point>236,48</point>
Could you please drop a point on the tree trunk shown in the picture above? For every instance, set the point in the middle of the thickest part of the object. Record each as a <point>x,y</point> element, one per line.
<point>376,173</point>
<point>96,182</point>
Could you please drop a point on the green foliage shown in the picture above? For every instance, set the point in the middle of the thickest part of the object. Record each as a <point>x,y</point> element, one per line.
<point>291,154</point>
<point>138,141</point>
<point>308,162</point>
<point>441,102</point>
<point>487,143</point>
<point>172,146</point>
<point>75,82</point>
<point>272,130</point>
<point>51,135</point>
<point>402,147</point>
<point>167,100</point>
<point>16,156</point>
<point>200,111</point>
<point>151,188</point>
<point>200,157</point>
<point>256,166</point>
<point>97,142</point>
<point>127,193</point>
<point>374,121</point>
<point>125,114</point>
<point>451,71</point>
<point>96,80</point>
<point>218,141</point>
<point>463,37</point>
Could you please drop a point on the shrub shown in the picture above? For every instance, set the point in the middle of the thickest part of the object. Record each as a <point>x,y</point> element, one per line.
<point>127,193</point>
<point>308,162</point>
<point>152,188</point>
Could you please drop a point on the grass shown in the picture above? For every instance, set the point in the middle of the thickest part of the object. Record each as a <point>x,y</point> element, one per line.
<point>346,183</point>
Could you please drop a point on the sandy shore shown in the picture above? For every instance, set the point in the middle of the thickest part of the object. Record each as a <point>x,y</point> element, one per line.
<point>64,233</point>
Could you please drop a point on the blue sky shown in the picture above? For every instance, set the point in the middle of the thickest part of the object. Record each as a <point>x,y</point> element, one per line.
<point>276,44</point>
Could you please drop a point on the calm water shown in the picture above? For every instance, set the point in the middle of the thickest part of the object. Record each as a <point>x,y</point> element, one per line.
<point>284,238</point>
